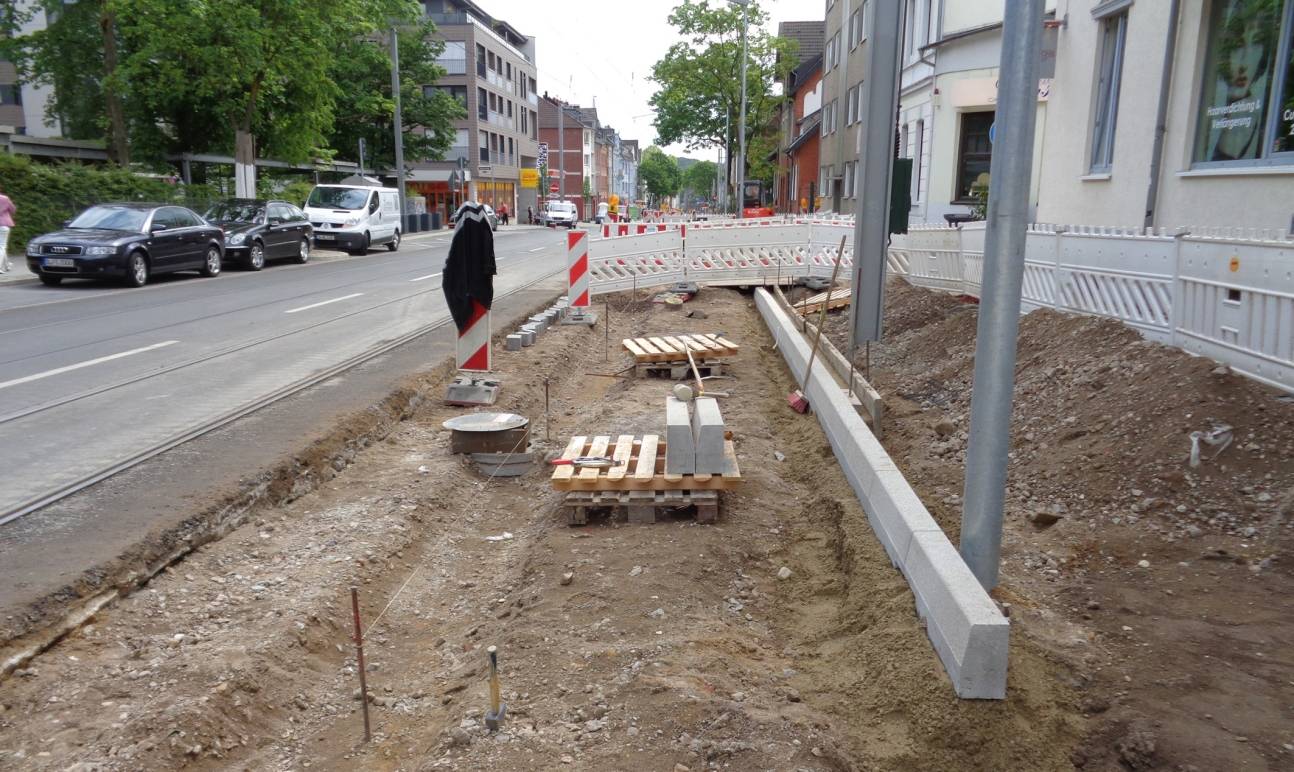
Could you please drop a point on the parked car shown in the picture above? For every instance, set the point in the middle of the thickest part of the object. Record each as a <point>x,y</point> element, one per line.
<point>127,241</point>
<point>559,213</point>
<point>489,215</point>
<point>257,230</point>
<point>355,217</point>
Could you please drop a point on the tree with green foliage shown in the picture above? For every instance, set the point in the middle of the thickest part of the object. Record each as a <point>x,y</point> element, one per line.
<point>700,76</point>
<point>366,109</point>
<point>698,180</point>
<point>659,172</point>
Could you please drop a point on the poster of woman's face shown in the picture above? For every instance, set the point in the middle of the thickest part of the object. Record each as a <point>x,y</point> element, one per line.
<point>1237,79</point>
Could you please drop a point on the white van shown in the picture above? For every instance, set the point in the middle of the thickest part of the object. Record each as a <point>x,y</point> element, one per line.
<point>355,217</point>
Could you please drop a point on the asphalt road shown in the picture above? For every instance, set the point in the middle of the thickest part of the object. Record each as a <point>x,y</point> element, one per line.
<point>92,375</point>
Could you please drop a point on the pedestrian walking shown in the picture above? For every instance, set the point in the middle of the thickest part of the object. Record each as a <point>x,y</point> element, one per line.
<point>7,211</point>
<point>530,215</point>
<point>503,213</point>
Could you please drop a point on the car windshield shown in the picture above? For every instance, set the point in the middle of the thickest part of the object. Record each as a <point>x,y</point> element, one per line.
<point>561,208</point>
<point>338,198</point>
<point>116,218</point>
<point>236,211</point>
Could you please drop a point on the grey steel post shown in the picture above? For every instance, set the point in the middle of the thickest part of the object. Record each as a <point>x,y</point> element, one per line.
<point>399,121</point>
<point>741,120</point>
<point>876,164</point>
<point>999,309</point>
<point>561,146</point>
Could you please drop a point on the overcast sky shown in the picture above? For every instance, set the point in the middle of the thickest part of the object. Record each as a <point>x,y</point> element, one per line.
<point>603,49</point>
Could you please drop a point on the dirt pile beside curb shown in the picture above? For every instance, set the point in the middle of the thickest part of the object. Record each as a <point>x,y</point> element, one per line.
<point>1157,580</point>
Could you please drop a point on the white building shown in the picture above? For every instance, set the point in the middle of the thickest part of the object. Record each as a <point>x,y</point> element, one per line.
<point>1227,155</point>
<point>22,107</point>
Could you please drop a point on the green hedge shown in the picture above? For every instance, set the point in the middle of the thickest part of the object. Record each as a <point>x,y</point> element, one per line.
<point>48,194</point>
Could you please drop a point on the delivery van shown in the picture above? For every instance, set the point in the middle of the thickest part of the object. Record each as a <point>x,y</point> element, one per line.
<point>354,217</point>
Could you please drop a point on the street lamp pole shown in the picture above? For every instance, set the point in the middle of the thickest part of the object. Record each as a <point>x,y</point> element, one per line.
<point>399,120</point>
<point>741,121</point>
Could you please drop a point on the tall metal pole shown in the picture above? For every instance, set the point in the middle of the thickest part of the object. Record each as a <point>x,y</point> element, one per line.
<point>741,121</point>
<point>875,165</point>
<point>999,310</point>
<point>561,146</point>
<point>727,161</point>
<point>399,120</point>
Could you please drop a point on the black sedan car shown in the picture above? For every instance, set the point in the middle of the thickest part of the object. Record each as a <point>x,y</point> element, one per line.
<point>127,241</point>
<point>257,230</point>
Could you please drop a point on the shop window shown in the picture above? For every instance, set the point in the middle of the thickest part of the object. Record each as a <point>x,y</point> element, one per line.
<point>1248,68</point>
<point>974,153</point>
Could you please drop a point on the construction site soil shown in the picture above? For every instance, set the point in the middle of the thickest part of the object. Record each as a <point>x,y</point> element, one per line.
<point>1151,617</point>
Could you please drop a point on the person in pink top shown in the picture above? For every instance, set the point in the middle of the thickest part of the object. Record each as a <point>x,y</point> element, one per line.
<point>7,210</point>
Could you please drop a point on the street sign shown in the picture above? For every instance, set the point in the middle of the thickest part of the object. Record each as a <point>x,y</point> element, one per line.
<point>529,178</point>
<point>543,154</point>
<point>554,174</point>
<point>484,170</point>
<point>454,179</point>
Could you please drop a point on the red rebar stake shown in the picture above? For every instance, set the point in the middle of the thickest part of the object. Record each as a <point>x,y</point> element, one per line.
<point>359,654</point>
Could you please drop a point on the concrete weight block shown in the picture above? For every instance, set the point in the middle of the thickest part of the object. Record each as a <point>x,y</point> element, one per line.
<point>707,432</point>
<point>513,342</point>
<point>680,449</point>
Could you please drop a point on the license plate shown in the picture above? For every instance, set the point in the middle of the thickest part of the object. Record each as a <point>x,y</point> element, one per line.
<point>59,262</point>
<point>323,237</point>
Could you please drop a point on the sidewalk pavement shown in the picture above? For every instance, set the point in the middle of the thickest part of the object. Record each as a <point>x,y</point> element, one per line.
<point>17,270</point>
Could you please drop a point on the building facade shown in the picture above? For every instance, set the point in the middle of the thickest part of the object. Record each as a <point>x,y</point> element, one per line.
<point>568,131</point>
<point>23,106</point>
<point>789,115</point>
<point>1227,155</point>
<point>490,69</point>
<point>796,190</point>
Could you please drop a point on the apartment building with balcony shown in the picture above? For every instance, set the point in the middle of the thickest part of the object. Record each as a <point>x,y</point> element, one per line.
<point>23,106</point>
<point>490,69</point>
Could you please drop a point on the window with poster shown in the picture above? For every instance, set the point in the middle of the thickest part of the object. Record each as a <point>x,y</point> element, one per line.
<point>1246,111</point>
<point>974,155</point>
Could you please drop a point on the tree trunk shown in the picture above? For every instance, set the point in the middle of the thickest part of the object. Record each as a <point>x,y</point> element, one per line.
<point>118,146</point>
<point>245,149</point>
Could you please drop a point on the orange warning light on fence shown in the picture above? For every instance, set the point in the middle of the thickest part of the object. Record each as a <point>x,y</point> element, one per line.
<point>1235,264</point>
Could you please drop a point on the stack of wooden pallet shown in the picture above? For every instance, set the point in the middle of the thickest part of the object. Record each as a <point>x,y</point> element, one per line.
<point>674,348</point>
<point>636,480</point>
<point>838,299</point>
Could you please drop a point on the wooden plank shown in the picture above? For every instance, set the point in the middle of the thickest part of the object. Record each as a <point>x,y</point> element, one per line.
<point>624,449</point>
<point>646,346</point>
<point>646,468</point>
<point>573,448</point>
<point>678,342</point>
<point>598,448</point>
<point>722,341</point>
<point>706,344</point>
<point>663,346</point>
<point>634,348</point>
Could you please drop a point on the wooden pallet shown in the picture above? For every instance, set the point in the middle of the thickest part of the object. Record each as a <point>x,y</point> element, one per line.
<point>811,305</point>
<point>639,466</point>
<point>679,371</point>
<point>674,348</point>
<point>640,506</point>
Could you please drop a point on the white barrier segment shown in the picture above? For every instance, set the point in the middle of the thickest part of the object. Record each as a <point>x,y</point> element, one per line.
<point>577,268</point>
<point>969,634</point>
<point>649,260</point>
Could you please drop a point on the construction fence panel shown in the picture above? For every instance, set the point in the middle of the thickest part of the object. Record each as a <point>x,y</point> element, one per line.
<point>745,256</point>
<point>647,260</point>
<point>930,257</point>
<point>1236,305</point>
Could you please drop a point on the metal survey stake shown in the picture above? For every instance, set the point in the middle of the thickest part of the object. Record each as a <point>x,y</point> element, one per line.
<point>359,656</point>
<point>546,436</point>
<point>494,716</point>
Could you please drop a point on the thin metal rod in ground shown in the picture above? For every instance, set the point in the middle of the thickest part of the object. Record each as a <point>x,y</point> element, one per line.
<point>606,331</point>
<point>547,437</point>
<point>359,658</point>
<point>822,316</point>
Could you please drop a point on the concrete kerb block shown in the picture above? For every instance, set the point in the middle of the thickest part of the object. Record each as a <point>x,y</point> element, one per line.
<point>707,432</point>
<point>513,342</point>
<point>965,626</point>
<point>527,337</point>
<point>680,449</point>
<point>968,632</point>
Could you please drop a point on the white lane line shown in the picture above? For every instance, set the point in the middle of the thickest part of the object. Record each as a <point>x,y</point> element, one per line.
<point>428,276</point>
<point>324,303</point>
<point>536,249</point>
<point>87,363</point>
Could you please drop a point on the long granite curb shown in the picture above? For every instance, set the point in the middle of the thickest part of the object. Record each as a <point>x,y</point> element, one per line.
<point>969,633</point>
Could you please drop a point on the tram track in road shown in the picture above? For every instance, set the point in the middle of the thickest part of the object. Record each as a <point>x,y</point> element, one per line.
<point>108,470</point>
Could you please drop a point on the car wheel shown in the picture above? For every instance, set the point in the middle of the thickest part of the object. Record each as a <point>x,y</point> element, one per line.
<point>394,243</point>
<point>136,270</point>
<point>303,251</point>
<point>50,281</point>
<point>363,247</point>
<point>211,263</point>
<point>255,257</point>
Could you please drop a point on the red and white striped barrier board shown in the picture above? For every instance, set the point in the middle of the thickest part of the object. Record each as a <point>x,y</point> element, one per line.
<point>472,351</point>
<point>577,268</point>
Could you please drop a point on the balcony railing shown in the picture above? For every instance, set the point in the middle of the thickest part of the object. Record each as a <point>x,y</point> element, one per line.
<point>453,66</point>
<point>459,17</point>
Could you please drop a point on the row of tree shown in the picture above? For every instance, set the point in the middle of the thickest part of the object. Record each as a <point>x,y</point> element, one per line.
<point>285,79</point>
<point>698,102</point>
<point>663,177</point>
